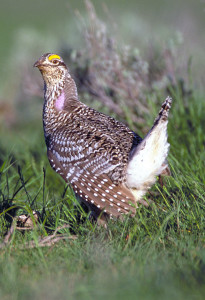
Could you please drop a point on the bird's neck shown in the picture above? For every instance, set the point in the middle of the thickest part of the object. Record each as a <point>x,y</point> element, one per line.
<point>60,99</point>
<point>54,89</point>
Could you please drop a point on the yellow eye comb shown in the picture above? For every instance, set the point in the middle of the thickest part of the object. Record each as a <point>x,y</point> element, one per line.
<point>54,56</point>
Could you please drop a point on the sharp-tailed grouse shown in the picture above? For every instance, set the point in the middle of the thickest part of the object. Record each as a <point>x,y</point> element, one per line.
<point>108,165</point>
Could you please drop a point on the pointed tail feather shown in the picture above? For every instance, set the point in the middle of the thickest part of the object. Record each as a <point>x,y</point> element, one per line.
<point>164,111</point>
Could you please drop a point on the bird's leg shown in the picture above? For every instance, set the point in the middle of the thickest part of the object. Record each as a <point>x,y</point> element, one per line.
<point>161,181</point>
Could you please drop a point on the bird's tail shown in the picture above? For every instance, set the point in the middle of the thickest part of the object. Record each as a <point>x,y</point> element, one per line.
<point>149,159</point>
<point>164,112</point>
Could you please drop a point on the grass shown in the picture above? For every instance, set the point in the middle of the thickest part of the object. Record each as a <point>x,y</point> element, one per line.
<point>158,254</point>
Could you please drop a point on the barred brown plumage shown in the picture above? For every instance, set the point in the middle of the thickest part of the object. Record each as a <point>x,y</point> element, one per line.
<point>108,165</point>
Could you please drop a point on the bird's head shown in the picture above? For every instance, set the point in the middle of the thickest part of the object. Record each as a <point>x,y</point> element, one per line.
<point>52,68</point>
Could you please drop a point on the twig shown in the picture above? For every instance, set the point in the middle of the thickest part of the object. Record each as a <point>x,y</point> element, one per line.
<point>47,241</point>
<point>42,242</point>
<point>7,237</point>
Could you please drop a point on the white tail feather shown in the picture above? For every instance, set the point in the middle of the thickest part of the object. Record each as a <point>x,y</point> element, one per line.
<point>149,159</point>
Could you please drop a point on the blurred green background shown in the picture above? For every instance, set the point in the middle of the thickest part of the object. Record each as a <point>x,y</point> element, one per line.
<point>44,25</point>
<point>159,254</point>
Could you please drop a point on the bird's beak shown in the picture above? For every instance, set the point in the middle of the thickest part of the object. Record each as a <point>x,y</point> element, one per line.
<point>38,63</point>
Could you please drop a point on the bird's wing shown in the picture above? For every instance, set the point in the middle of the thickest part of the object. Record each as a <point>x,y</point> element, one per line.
<point>96,189</point>
<point>92,145</point>
<point>93,159</point>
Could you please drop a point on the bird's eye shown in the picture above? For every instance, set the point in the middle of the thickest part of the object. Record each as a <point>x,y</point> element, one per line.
<point>55,61</point>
